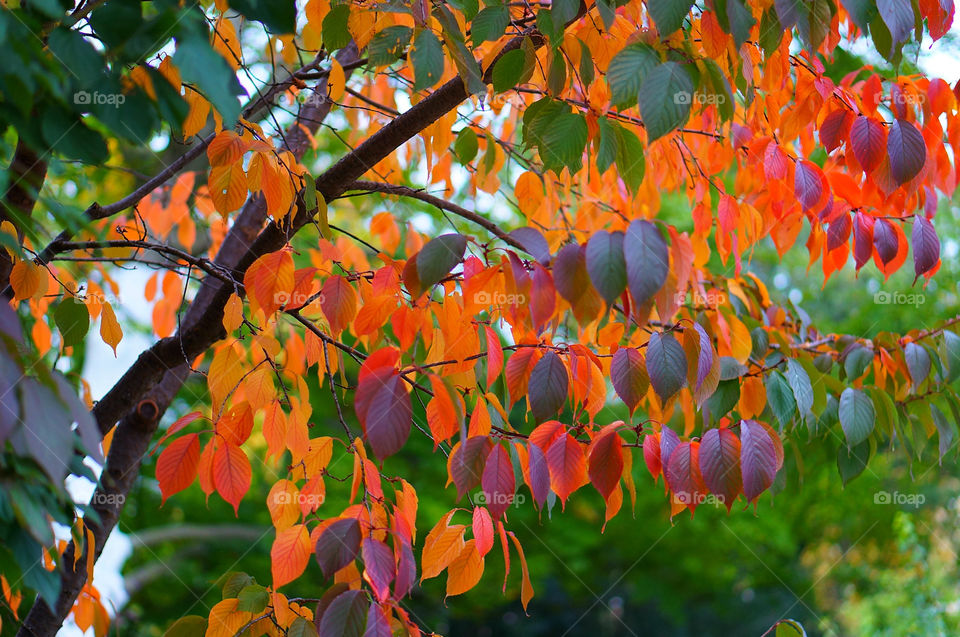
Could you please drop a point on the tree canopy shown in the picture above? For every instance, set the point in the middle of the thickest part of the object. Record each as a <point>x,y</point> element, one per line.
<point>522,232</point>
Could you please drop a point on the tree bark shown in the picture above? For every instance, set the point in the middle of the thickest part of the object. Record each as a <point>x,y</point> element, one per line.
<point>27,173</point>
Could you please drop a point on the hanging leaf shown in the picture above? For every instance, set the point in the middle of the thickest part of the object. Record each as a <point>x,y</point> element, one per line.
<point>857,416</point>
<point>905,145</point>
<point>666,365</point>
<point>665,98</point>
<point>868,139</point>
<point>758,459</point>
<point>606,264</point>
<point>628,372</point>
<point>647,260</point>
<point>926,246</point>
<point>338,545</point>
<point>383,408</point>
<point>720,464</point>
<point>437,258</point>
<point>548,386</point>
<point>498,481</point>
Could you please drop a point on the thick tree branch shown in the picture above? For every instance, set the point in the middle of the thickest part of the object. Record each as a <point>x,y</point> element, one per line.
<point>27,174</point>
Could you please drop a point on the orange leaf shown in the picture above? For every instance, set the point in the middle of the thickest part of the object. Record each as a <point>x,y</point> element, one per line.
<point>465,572</point>
<point>289,554</point>
<point>567,466</point>
<point>269,282</point>
<point>283,504</point>
<point>526,588</point>
<point>443,544</point>
<point>231,474</point>
<point>177,465</point>
<point>110,330</point>
<point>338,301</point>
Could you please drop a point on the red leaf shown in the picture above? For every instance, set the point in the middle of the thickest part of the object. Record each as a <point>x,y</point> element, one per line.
<point>862,238</point>
<point>494,355</point>
<point>538,474</point>
<point>231,473</point>
<point>543,299</point>
<point>379,566</point>
<point>907,151</point>
<point>808,184</point>
<point>651,454</point>
<point>177,465</point>
<point>669,440</point>
<point>683,475</point>
<point>377,623</point>
<point>383,408</point>
<point>885,240</point>
<point>519,365</point>
<point>544,434</point>
<point>926,246</point>
<point>758,459</point>
<point>549,382</point>
<point>839,232</point>
<point>834,129</point>
<point>467,461</point>
<point>605,460</point>
<point>406,570</point>
<point>338,300</point>
<point>628,372</point>
<point>775,161</point>
<point>868,139</point>
<point>567,466</point>
<point>338,545</point>
<point>482,530</point>
<point>345,616</point>
<point>720,464</point>
<point>498,481</point>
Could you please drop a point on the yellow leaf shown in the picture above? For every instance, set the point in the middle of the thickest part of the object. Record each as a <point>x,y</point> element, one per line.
<point>197,117</point>
<point>170,72</point>
<point>225,620</point>
<point>27,280</point>
<point>465,572</point>
<point>336,82</point>
<point>11,239</point>
<point>110,330</point>
<point>362,26</point>
<point>226,372</point>
<point>224,41</point>
<point>443,545</point>
<point>232,313</point>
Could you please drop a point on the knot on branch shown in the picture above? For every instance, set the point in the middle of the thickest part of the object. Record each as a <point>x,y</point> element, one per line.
<point>148,410</point>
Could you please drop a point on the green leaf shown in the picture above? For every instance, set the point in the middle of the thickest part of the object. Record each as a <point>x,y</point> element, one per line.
<point>388,45</point>
<point>718,90</point>
<point>800,384</point>
<point>81,59</point>
<point>253,598</point>
<point>116,21</point>
<point>857,416</point>
<point>557,73</point>
<point>918,363</point>
<point>233,583</point>
<point>647,258</point>
<point>188,626</point>
<point>301,628</point>
<point>669,14</point>
<point>862,12</point>
<point>490,24</point>
<point>724,399</point>
<point>606,265</point>
<point>857,361</point>
<point>73,320</point>
<point>438,257</point>
<point>201,65</point>
<point>780,398</point>
<point>626,72</point>
<point>740,21</point>
<point>852,462</point>
<point>950,354</point>
<point>946,432</point>
<point>608,145</point>
<point>334,30</point>
<point>666,365</point>
<point>771,31</point>
<point>563,142</point>
<point>665,97</point>
<point>512,69</point>
<point>68,135</point>
<point>427,58</point>
<point>631,160</point>
<point>466,146</point>
<point>279,16</point>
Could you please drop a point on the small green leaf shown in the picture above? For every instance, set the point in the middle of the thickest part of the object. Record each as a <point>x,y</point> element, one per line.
<point>857,416</point>
<point>253,598</point>
<point>73,320</point>
<point>279,16</point>
<point>780,398</point>
<point>669,15</point>
<point>490,24</point>
<point>188,626</point>
<point>335,33</point>
<point>852,462</point>
<point>466,146</point>
<point>438,257</point>
<point>626,72</point>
